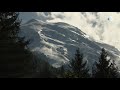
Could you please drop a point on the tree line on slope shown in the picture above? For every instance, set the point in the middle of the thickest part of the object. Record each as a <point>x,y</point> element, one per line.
<point>104,68</point>
<point>17,61</point>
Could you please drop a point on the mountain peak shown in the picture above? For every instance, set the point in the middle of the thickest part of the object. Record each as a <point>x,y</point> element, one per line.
<point>57,42</point>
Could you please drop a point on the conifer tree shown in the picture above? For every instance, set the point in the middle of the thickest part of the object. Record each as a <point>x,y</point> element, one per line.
<point>114,71</point>
<point>105,68</point>
<point>16,60</point>
<point>78,67</point>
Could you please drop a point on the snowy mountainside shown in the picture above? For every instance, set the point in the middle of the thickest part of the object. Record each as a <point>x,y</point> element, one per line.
<point>57,42</point>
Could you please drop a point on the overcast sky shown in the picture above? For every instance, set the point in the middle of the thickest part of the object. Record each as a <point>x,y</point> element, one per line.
<point>102,26</point>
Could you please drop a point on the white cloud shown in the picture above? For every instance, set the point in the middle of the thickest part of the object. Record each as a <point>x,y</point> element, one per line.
<point>102,26</point>
<point>106,26</point>
<point>75,18</point>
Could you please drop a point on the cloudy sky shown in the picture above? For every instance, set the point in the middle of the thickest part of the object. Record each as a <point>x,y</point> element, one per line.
<point>102,26</point>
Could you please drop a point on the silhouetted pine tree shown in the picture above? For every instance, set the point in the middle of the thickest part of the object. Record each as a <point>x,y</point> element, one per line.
<point>105,68</point>
<point>15,58</point>
<point>78,67</point>
<point>61,72</point>
<point>114,71</point>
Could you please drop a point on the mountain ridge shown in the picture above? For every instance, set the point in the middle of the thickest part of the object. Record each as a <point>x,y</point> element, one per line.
<point>57,42</point>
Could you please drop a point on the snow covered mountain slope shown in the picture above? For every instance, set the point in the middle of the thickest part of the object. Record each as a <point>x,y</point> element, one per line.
<point>57,42</point>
